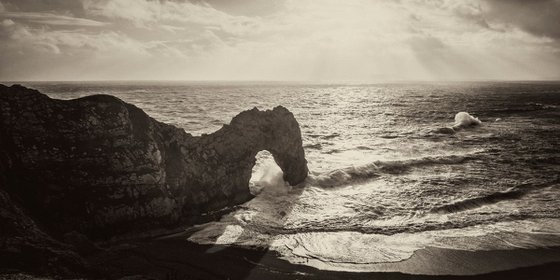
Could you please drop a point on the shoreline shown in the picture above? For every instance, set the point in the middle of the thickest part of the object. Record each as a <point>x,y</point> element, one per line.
<point>177,258</point>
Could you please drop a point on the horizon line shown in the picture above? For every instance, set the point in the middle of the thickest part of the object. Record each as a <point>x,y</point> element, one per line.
<point>357,82</point>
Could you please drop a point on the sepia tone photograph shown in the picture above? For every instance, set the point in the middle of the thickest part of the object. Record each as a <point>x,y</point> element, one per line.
<point>279,139</point>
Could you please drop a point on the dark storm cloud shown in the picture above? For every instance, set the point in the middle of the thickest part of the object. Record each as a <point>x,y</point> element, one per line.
<point>538,17</point>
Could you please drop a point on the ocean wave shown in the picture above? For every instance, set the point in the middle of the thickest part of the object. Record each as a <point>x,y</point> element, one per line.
<point>538,106</point>
<point>333,151</point>
<point>462,120</point>
<point>353,251</point>
<point>476,202</point>
<point>353,174</point>
<point>316,146</point>
<point>324,136</point>
<point>516,192</point>
<point>527,107</point>
<point>389,136</point>
<point>364,148</point>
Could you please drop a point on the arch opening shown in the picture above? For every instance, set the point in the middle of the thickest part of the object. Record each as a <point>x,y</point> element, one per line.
<point>266,175</point>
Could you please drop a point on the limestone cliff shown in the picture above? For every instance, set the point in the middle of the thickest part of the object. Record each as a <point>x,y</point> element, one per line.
<point>102,167</point>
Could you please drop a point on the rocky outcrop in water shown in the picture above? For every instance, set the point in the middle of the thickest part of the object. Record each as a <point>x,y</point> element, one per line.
<point>98,167</point>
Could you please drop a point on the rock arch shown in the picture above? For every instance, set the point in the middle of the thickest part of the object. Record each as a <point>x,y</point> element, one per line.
<point>103,167</point>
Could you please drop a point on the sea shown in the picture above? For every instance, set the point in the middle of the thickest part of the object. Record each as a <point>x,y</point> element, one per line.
<point>388,173</point>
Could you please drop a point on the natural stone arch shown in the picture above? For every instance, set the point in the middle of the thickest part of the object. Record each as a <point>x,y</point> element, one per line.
<point>103,167</point>
<point>228,155</point>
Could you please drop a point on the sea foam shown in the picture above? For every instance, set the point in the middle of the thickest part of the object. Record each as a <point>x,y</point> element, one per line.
<point>464,119</point>
<point>267,175</point>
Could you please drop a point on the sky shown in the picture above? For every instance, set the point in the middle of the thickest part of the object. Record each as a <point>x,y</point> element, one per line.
<point>280,40</point>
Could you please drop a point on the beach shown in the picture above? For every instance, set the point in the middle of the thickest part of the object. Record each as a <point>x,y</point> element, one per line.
<point>176,258</point>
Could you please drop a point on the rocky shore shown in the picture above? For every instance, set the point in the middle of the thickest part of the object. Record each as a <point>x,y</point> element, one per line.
<point>78,173</point>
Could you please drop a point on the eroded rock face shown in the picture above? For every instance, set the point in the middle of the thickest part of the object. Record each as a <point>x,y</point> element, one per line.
<point>23,245</point>
<point>102,167</point>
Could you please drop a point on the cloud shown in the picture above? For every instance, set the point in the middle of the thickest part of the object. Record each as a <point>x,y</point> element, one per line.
<point>50,19</point>
<point>23,38</point>
<point>288,40</point>
<point>72,8</point>
<point>145,13</point>
<point>66,54</point>
<point>7,22</point>
<point>538,17</point>
<point>246,7</point>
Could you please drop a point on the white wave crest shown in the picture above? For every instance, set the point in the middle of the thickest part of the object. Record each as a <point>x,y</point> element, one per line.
<point>353,174</point>
<point>464,119</point>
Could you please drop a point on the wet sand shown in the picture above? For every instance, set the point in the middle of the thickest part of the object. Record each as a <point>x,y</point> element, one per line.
<point>176,258</point>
